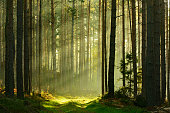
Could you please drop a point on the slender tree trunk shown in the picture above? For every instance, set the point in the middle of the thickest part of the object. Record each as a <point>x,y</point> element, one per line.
<point>53,41</point>
<point>20,93</point>
<point>30,48</point>
<point>103,45</point>
<point>105,40</point>
<point>88,38</point>
<point>139,59</point>
<point>1,41</point>
<point>123,49</point>
<point>168,91</point>
<point>72,42</point>
<point>112,50</point>
<point>40,35</point>
<point>76,48</point>
<point>134,46</point>
<point>26,49</point>
<point>163,69</point>
<point>37,45</point>
<point>166,6</point>
<point>143,47</point>
<point>130,23</point>
<point>99,42</point>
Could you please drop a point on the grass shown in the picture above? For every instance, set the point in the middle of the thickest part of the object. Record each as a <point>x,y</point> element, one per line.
<point>64,105</point>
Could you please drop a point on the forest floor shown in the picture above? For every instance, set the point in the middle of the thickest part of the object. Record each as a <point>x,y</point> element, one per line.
<point>49,104</point>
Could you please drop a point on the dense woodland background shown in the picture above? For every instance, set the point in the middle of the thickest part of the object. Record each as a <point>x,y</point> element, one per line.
<point>86,48</point>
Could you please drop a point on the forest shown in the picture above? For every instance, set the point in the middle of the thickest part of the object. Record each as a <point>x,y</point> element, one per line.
<point>78,56</point>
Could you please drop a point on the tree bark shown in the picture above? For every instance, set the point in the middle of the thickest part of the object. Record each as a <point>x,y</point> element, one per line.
<point>123,41</point>
<point>30,47</point>
<point>156,50</point>
<point>134,46</point>
<point>143,47</point>
<point>10,50</point>
<point>20,93</point>
<point>112,50</point>
<point>40,35</point>
<point>163,69</point>
<point>26,49</point>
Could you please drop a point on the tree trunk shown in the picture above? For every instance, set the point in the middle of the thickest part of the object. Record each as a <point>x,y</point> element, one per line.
<point>139,59</point>
<point>53,41</point>
<point>103,45</point>
<point>166,6</point>
<point>99,47</point>
<point>156,50</point>
<point>72,42</point>
<point>88,38</point>
<point>112,50</point>
<point>26,49</point>
<point>105,40</point>
<point>30,48</point>
<point>143,47</point>
<point>149,59</point>
<point>37,46</point>
<point>20,93</point>
<point>10,50</point>
<point>123,48</point>
<point>134,46</point>
<point>40,35</point>
<point>163,69</point>
<point>168,91</point>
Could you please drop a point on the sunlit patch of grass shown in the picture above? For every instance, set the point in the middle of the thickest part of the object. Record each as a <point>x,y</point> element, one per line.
<point>80,100</point>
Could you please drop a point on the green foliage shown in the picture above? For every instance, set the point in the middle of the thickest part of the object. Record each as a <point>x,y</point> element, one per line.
<point>129,77</point>
<point>72,10</point>
<point>122,92</point>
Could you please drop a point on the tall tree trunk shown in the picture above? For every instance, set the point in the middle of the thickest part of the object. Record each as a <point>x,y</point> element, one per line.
<point>166,7</point>
<point>10,50</point>
<point>150,55</point>
<point>139,59</point>
<point>156,49</point>
<point>72,41</point>
<point>37,45</point>
<point>40,36</point>
<point>168,91</point>
<point>134,46</point>
<point>76,46</point>
<point>112,50</point>
<point>88,38</point>
<point>105,40</point>
<point>30,47</point>
<point>143,47</point>
<point>53,41</point>
<point>163,69</point>
<point>123,48</point>
<point>103,45</point>
<point>26,49</point>
<point>1,41</point>
<point>99,47</point>
<point>20,93</point>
